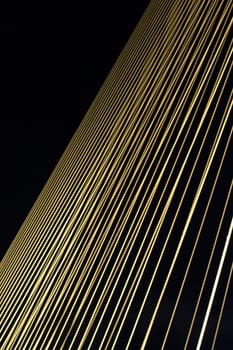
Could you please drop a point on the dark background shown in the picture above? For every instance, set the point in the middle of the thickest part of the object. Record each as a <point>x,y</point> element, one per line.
<point>55,57</point>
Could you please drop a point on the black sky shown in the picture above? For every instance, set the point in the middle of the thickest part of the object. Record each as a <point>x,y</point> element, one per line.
<point>56,55</point>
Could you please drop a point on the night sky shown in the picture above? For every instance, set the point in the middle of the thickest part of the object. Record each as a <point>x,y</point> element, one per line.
<point>55,60</point>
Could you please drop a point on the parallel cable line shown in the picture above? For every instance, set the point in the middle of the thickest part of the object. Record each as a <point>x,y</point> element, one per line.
<point>85,118</point>
<point>195,244</point>
<point>86,268</point>
<point>147,253</point>
<point>117,212</point>
<point>220,131</point>
<point>208,267</point>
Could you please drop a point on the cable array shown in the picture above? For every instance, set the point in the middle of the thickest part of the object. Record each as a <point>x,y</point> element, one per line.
<point>129,244</point>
